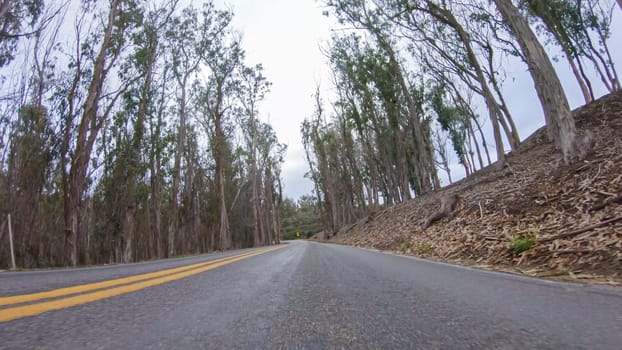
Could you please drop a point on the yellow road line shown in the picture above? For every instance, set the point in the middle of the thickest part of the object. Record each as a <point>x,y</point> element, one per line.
<point>18,299</point>
<point>36,309</point>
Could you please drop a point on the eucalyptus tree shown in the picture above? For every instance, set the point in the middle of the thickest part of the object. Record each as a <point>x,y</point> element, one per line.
<point>596,19</point>
<point>440,147</point>
<point>356,12</point>
<point>161,147</point>
<point>91,112</point>
<point>560,123</point>
<point>553,16</point>
<point>252,88</point>
<point>440,35</point>
<point>351,150</point>
<point>28,124</point>
<point>336,164</point>
<point>228,107</point>
<point>312,131</point>
<point>352,76</point>
<point>18,19</point>
<point>222,58</point>
<point>138,104</point>
<point>377,156</point>
<point>324,146</point>
<point>192,229</point>
<point>462,99</point>
<point>390,124</point>
<point>114,133</point>
<point>188,44</point>
<point>367,100</point>
<point>453,121</point>
<point>307,132</point>
<point>572,24</point>
<point>270,153</point>
<point>32,151</point>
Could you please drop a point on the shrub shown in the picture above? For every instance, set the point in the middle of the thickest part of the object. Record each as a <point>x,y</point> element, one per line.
<point>522,244</point>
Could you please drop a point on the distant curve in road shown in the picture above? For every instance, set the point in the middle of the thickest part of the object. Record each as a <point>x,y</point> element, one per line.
<point>314,296</point>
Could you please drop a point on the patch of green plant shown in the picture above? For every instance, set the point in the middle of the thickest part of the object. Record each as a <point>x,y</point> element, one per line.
<point>522,244</point>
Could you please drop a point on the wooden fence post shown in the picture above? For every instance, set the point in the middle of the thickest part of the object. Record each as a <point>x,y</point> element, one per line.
<point>11,241</point>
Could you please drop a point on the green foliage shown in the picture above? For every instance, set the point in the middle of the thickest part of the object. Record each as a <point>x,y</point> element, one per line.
<point>170,160</point>
<point>451,118</point>
<point>18,21</point>
<point>522,244</point>
<point>580,28</point>
<point>300,216</point>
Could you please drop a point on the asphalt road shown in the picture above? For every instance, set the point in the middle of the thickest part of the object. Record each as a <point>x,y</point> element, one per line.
<point>316,296</point>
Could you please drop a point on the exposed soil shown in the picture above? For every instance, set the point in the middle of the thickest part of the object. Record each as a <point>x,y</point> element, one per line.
<point>574,213</point>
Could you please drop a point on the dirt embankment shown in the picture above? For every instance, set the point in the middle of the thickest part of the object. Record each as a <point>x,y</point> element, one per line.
<point>571,216</point>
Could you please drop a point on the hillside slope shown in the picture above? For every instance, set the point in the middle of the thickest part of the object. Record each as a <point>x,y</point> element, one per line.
<point>572,213</point>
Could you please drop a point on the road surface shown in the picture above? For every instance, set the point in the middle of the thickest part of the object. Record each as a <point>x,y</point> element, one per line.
<point>302,295</point>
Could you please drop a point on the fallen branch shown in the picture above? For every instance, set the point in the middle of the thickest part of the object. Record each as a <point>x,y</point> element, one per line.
<point>581,230</point>
<point>481,211</point>
<point>579,251</point>
<point>617,199</point>
<point>587,183</point>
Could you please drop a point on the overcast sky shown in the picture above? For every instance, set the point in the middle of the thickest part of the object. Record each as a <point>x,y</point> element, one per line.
<point>286,36</point>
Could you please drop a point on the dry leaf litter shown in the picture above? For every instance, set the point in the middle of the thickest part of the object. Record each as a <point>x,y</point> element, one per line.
<point>574,212</point>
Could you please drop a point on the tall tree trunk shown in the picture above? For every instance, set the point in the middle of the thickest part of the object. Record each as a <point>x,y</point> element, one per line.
<point>173,225</point>
<point>256,203</point>
<point>505,116</point>
<point>219,155</point>
<point>559,120</point>
<point>270,207</point>
<point>255,183</point>
<point>88,129</point>
<point>583,85</point>
<point>469,155</point>
<point>608,63</point>
<point>155,163</point>
<point>132,170</point>
<point>279,203</point>
<point>473,119</point>
<point>477,150</point>
<point>429,178</point>
<point>481,134</point>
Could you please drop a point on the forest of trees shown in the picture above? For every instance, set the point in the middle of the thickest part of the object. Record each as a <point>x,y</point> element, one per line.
<point>300,216</point>
<point>410,75</point>
<point>129,130</point>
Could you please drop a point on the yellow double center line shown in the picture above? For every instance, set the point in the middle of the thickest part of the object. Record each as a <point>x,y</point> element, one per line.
<point>125,285</point>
